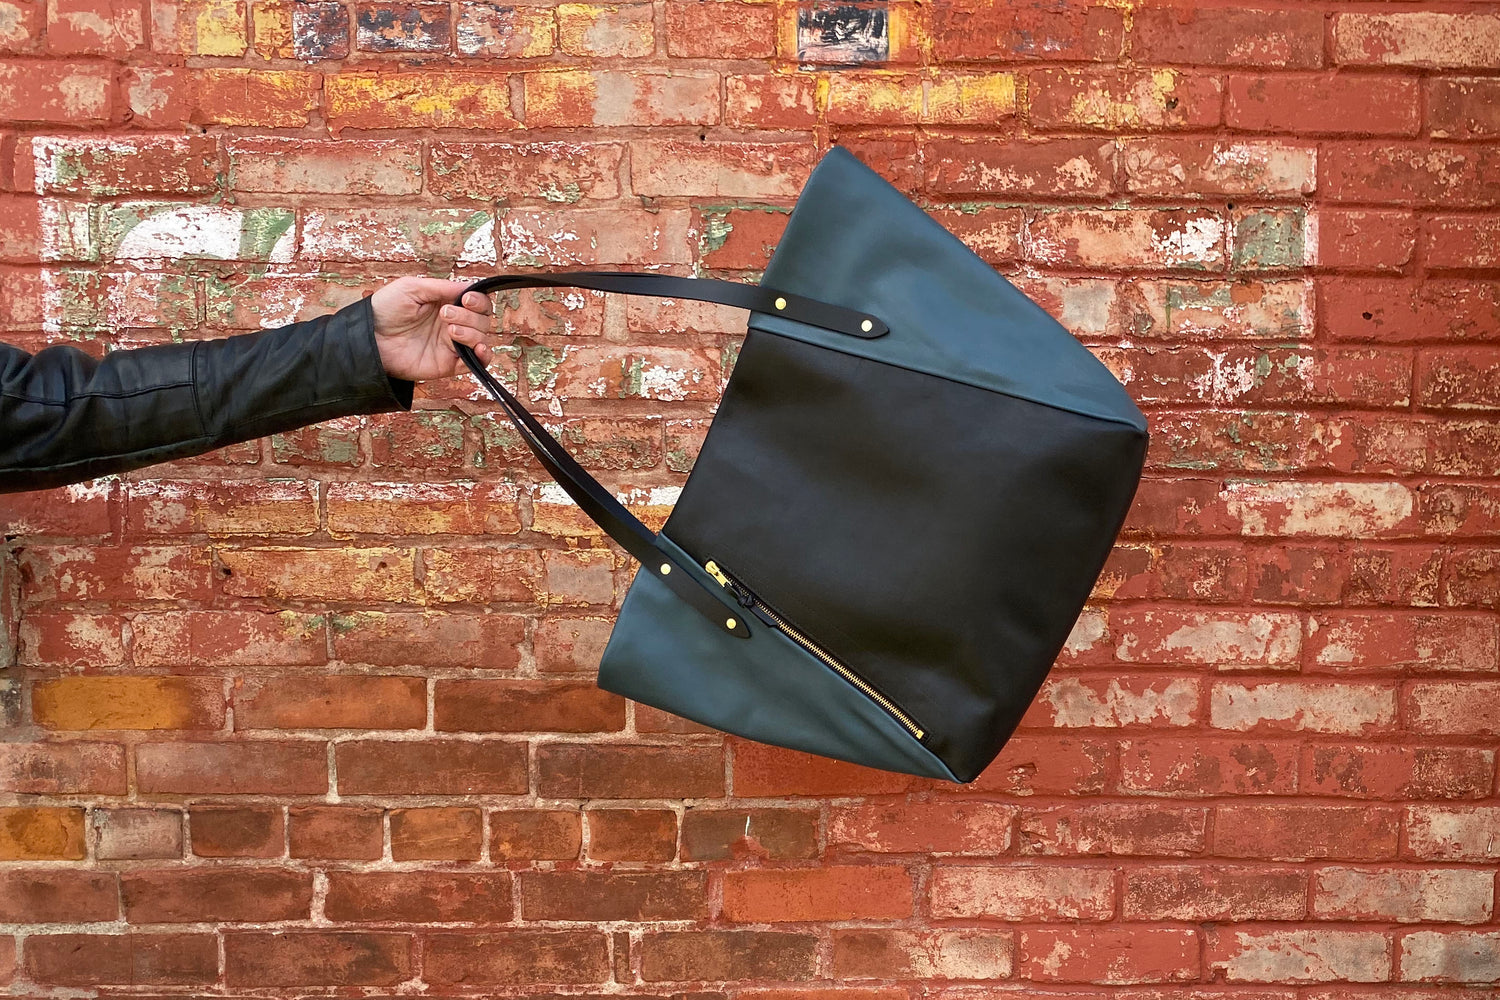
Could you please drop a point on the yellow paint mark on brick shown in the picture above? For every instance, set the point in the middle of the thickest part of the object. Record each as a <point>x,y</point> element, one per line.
<point>569,96</point>
<point>419,100</point>
<point>1142,103</point>
<point>876,97</point>
<point>78,703</point>
<point>220,28</point>
<point>40,834</point>
<point>971,100</point>
<point>272,23</point>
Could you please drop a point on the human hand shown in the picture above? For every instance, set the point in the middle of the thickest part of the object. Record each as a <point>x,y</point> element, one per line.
<point>416,324</point>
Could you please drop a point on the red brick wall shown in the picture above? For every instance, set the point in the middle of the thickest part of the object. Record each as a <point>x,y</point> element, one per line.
<point>318,710</point>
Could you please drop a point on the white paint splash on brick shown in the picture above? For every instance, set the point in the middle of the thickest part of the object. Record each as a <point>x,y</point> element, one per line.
<point>1318,708</point>
<point>189,231</point>
<point>479,248</point>
<point>1079,705</point>
<point>1329,510</point>
<point>1200,243</point>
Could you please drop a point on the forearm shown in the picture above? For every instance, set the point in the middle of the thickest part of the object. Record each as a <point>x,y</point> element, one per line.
<point>65,417</point>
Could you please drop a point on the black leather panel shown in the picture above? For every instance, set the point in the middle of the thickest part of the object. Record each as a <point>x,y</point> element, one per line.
<point>938,538</point>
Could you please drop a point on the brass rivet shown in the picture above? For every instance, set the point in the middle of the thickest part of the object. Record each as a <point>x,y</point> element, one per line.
<point>730,623</point>
<point>780,303</point>
<point>867,326</point>
<point>666,568</point>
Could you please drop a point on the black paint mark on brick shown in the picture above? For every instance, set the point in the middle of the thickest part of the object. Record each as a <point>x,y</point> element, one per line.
<point>399,27</point>
<point>843,34</point>
<point>320,30</point>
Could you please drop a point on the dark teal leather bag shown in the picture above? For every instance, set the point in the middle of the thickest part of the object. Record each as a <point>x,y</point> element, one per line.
<point>904,500</point>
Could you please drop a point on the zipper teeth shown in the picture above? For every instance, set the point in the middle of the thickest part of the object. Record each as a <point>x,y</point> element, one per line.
<point>838,667</point>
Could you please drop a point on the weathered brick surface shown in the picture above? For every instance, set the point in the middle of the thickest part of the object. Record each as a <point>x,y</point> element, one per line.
<point>316,714</point>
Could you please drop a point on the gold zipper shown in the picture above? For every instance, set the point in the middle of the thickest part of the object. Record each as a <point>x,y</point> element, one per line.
<point>743,593</point>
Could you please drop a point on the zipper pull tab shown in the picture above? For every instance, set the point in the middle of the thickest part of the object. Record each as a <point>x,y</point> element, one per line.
<point>740,592</point>
<point>718,574</point>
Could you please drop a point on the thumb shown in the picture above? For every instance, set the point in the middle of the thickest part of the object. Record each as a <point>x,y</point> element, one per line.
<point>437,290</point>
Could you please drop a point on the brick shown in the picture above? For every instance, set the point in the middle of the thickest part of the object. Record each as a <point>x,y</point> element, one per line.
<point>922,828</point>
<point>1453,833</point>
<point>484,29</point>
<point>1457,510</point>
<point>762,100</point>
<point>1297,832</point>
<point>1191,167</point>
<point>1453,708</point>
<point>1465,379</point>
<point>732,171</point>
<point>260,768</point>
<point>594,236</point>
<point>946,954</point>
<point>373,574</point>
<point>79,573</point>
<point>1068,32</point>
<point>515,958</point>
<point>1022,892</point>
<point>632,834</point>
<point>621,31</point>
<point>1472,579</point>
<point>348,832</point>
<point>1197,894</point>
<point>898,99</point>
<point>426,99</point>
<point>130,165</point>
<point>436,834</point>
<point>1201,767</point>
<point>419,897</point>
<point>1081,702</point>
<point>720,29</point>
<point>718,834</point>
<point>603,896</point>
<point>54,93</point>
<point>324,445</point>
<point>1107,829</point>
<point>339,702</point>
<point>1267,239</point>
<point>225,638</point>
<point>1057,167</point>
<point>1048,765</point>
<point>579,578</point>
<point>1432,310</point>
<point>22,33</point>
<point>1128,238</point>
<point>1464,107</point>
<point>1461,242</point>
<point>403,27</point>
<point>1418,38</point>
<point>396,234</point>
<point>525,706</point>
<point>199,27</point>
<point>1412,174</point>
<point>135,834</point>
<point>1273,38</point>
<point>1159,100</point>
<point>431,767</point>
<point>312,958</point>
<point>1386,772</point>
<point>1450,956</point>
<point>719,956</point>
<point>234,832</point>
<point>62,768</point>
<point>554,172</point>
<point>622,771</point>
<point>278,166</point>
<point>484,576</point>
<point>1299,956</point>
<point>1109,956</point>
<point>435,640</point>
<point>82,27</point>
<point>535,835</point>
<point>31,896</point>
<point>1365,239</point>
<point>1349,103</point>
<point>1302,707</point>
<point>761,770</point>
<point>83,509</point>
<point>129,703</point>
<point>231,507</point>
<point>659,373</point>
<point>176,896</point>
<point>122,959</point>
<point>264,98</point>
<point>577,98</point>
<point>1438,895</point>
<point>829,893</point>
<point>7,959</point>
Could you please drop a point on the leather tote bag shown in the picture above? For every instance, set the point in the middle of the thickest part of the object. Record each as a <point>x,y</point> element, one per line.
<point>905,497</point>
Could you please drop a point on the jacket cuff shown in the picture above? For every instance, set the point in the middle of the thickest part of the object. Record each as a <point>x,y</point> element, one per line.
<point>361,322</point>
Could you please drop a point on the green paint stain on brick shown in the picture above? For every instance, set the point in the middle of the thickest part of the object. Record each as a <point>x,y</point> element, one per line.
<point>76,299</point>
<point>261,228</point>
<point>344,624</point>
<point>499,442</point>
<point>453,222</point>
<point>632,376</point>
<point>447,430</point>
<point>716,230</point>
<point>568,194</point>
<point>1270,238</point>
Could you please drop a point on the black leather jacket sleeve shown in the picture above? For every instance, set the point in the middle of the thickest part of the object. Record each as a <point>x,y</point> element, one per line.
<point>66,417</point>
